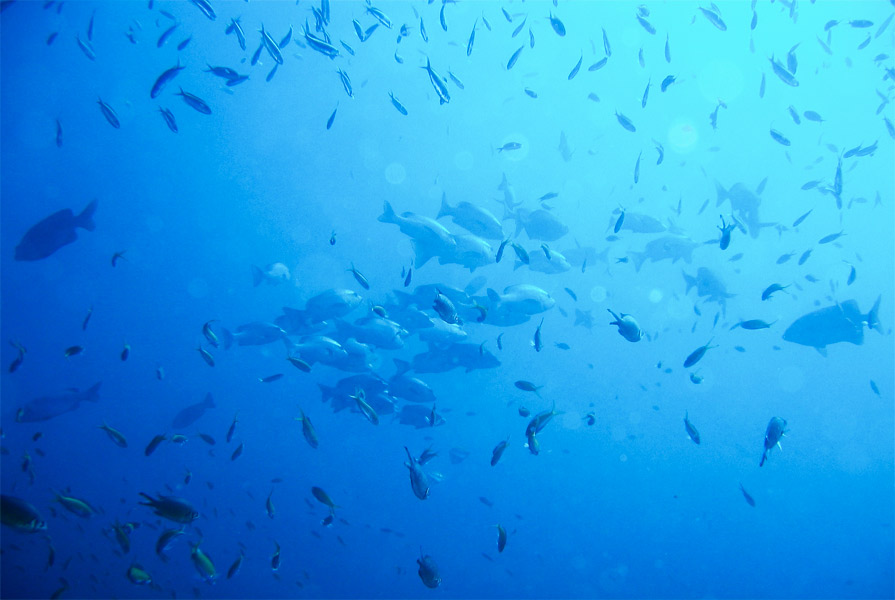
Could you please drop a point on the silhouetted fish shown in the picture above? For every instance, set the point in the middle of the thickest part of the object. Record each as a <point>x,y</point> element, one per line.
<point>57,230</point>
<point>192,413</point>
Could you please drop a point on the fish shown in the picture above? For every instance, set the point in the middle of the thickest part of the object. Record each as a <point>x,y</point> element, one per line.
<point>438,83</point>
<point>164,541</point>
<point>527,386</point>
<point>53,232</point>
<point>515,56</point>
<point>164,37</point>
<point>628,327</point>
<point>780,138</point>
<point>576,68</point>
<point>274,274</point>
<point>20,515</point>
<point>670,247</point>
<point>774,287</point>
<point>195,102</point>
<point>753,324</point>
<point>397,104</point>
<point>558,27</point>
<point>170,121</point>
<point>625,122</point>
<point>842,322</point>
<point>773,433</point>
<point>192,413</point>
<point>275,559</point>
<point>346,83</point>
<point>726,229</point>
<point>86,48</point>
<point>691,431</point>
<point>44,408</point>
<point>536,342</point>
<point>109,114</point>
<point>116,436</point>
<point>830,238</point>
<point>695,356</point>
<point>419,482</point>
<point>308,430</point>
<point>501,538</point>
<point>713,18</point>
<point>799,221</point>
<point>471,41</point>
<point>428,571</point>
<point>749,500</point>
<point>234,568</point>
<point>184,43</point>
<point>75,505</point>
<point>498,451</point>
<point>708,285</point>
<point>202,562</point>
<point>172,508</point>
<point>238,452</point>
<point>359,277</point>
<point>206,8</point>
<point>154,443</point>
<point>667,82</point>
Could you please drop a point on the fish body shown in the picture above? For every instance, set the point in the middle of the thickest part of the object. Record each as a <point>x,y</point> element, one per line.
<point>20,515</point>
<point>498,451</point>
<point>47,407</point>
<point>164,79</point>
<point>515,56</point>
<point>428,571</point>
<point>501,538</point>
<point>308,430</point>
<point>195,102</point>
<point>749,500</point>
<point>775,430</point>
<point>628,327</point>
<point>203,563</point>
<point>842,322</point>
<point>170,121</point>
<point>165,540</point>
<point>172,508</point>
<point>691,431</point>
<point>418,482</point>
<point>438,83</point>
<point>695,356</point>
<point>154,443</point>
<point>116,436</point>
<point>192,413</point>
<point>55,231</point>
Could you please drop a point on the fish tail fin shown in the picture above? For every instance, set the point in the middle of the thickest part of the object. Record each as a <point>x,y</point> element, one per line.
<point>85,219</point>
<point>721,193</point>
<point>227,338</point>
<point>257,276</point>
<point>873,316</point>
<point>638,258</point>
<point>209,400</point>
<point>92,394</point>
<point>422,253</point>
<point>388,213</point>
<point>689,279</point>
<point>445,209</point>
<point>402,366</point>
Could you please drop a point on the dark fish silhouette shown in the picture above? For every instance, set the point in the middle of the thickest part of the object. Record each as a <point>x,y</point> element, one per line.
<point>54,232</point>
<point>47,407</point>
<point>192,413</point>
<point>839,323</point>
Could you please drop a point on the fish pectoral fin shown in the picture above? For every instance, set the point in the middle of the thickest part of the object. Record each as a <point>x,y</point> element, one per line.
<point>822,350</point>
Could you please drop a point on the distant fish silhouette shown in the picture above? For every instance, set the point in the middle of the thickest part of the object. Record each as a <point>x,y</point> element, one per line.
<point>192,413</point>
<point>840,323</point>
<point>48,407</point>
<point>54,232</point>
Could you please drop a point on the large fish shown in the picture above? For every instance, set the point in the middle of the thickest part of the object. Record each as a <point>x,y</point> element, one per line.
<point>708,285</point>
<point>430,238</point>
<point>253,334</point>
<point>842,322</point>
<point>744,205</point>
<point>538,224</point>
<point>192,413</point>
<point>475,219</point>
<point>467,250</point>
<point>54,232</point>
<point>671,247</point>
<point>47,407</point>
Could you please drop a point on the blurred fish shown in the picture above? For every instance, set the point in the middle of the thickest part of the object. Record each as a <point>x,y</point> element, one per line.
<point>842,322</point>
<point>773,433</point>
<point>428,571</point>
<point>46,407</point>
<point>116,436</point>
<point>172,508</point>
<point>418,482</point>
<point>20,515</point>
<point>691,431</point>
<point>308,430</point>
<point>192,413</point>
<point>54,232</point>
<point>695,356</point>
<point>746,495</point>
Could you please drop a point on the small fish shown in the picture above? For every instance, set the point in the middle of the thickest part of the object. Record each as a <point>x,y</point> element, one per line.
<point>509,146</point>
<point>164,541</point>
<point>645,96</point>
<point>86,48</point>
<point>206,356</point>
<point>58,134</point>
<point>780,138</point>
<point>557,25</point>
<point>237,453</point>
<point>498,451</point>
<point>589,419</point>
<point>536,342</point>
<point>804,258</point>
<point>109,114</point>
<point>17,362</point>
<point>625,122</point>
<point>270,378</point>
<point>647,26</point>
<point>521,253</point>
<point>501,538</point>
<point>500,342</point>
<point>695,356</point>
<point>813,116</point>
<point>234,568</point>
<point>208,11</point>
<point>407,278</point>
<point>125,352</point>
<point>195,102</point>
<point>206,438</point>
<point>154,443</point>
<point>182,45</point>
<point>73,351</point>
<point>308,430</point>
<point>576,68</point>
<point>691,431</point>
<point>471,41</point>
<point>852,275</point>
<point>874,387</point>
<point>831,238</point>
<point>438,83</point>
<point>798,221</point>
<point>397,104</point>
<point>514,57</point>
<point>527,386</point>
<point>749,500</point>
<point>572,294</point>
<point>524,412</point>
<point>329,124</point>
<point>168,116</point>
<point>164,37</point>
<point>753,324</point>
<point>667,82</point>
<point>714,18</point>
<point>275,559</point>
<point>86,319</point>
<point>606,48</point>
<point>299,364</point>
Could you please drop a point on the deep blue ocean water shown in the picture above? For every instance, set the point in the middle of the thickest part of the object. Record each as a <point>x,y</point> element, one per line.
<point>619,502</point>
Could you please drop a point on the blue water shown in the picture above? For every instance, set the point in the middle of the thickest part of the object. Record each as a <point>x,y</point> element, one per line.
<point>627,506</point>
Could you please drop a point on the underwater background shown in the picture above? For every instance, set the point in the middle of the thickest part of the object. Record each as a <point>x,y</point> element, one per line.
<point>607,176</point>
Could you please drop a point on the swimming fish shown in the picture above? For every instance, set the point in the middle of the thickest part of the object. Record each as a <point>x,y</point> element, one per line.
<point>773,433</point>
<point>55,231</point>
